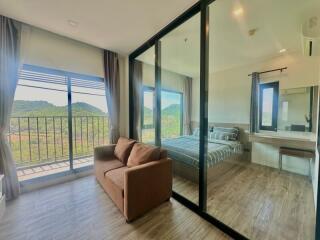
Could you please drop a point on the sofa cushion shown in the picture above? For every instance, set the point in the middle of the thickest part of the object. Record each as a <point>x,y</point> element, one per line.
<point>163,153</point>
<point>117,176</point>
<point>123,149</point>
<point>143,153</point>
<point>114,186</point>
<point>103,166</point>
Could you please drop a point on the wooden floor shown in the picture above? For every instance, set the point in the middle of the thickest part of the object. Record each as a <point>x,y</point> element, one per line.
<point>259,202</point>
<point>81,210</point>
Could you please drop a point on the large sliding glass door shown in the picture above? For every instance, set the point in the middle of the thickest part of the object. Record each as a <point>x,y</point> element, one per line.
<point>57,119</point>
<point>145,96</point>
<point>261,189</point>
<point>180,74</point>
<point>38,133</point>
<point>90,122</point>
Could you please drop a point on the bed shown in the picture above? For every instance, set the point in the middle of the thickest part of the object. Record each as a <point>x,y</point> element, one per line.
<point>184,150</point>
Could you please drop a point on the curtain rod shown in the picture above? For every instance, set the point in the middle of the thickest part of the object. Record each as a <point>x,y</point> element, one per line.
<point>273,70</point>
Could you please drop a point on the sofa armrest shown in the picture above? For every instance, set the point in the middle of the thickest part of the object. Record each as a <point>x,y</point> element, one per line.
<point>146,186</point>
<point>104,152</point>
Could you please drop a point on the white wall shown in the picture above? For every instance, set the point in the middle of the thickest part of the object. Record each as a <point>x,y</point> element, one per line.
<point>169,80</point>
<point>230,89</point>
<point>42,48</point>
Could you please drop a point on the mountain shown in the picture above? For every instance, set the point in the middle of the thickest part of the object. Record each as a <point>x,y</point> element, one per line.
<point>80,108</point>
<point>42,108</point>
<point>147,111</point>
<point>173,109</point>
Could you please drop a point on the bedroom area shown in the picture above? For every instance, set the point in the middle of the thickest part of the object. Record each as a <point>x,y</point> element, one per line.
<point>244,141</point>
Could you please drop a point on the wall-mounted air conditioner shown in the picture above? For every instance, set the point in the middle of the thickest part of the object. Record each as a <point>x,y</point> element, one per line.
<point>311,36</point>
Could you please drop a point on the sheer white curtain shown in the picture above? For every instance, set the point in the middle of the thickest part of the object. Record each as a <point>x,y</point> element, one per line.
<point>9,68</point>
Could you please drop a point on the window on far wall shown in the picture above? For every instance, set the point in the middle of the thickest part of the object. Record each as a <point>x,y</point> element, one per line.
<point>268,106</point>
<point>171,114</point>
<point>148,98</point>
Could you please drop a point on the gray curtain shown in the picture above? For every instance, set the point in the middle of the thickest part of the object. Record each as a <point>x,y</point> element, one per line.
<point>9,65</point>
<point>187,106</point>
<point>254,106</point>
<point>137,96</point>
<point>112,86</point>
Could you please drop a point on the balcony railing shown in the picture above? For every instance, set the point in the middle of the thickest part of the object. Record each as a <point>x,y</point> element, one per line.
<point>45,139</point>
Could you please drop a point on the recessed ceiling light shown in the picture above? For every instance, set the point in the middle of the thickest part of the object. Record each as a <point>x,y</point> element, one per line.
<point>73,23</point>
<point>283,50</point>
<point>238,12</point>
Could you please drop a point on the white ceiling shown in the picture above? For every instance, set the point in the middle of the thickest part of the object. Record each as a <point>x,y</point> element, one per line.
<point>278,24</point>
<point>121,26</point>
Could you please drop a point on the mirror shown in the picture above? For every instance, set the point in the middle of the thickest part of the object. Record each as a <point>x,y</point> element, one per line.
<point>295,109</point>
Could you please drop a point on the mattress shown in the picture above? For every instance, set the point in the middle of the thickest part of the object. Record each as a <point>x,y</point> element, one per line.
<point>186,150</point>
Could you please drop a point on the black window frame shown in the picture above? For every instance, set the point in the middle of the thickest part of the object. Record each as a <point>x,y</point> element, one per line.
<point>275,105</point>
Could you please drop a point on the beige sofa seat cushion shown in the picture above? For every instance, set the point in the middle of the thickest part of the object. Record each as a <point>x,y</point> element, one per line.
<point>117,176</point>
<point>114,181</point>
<point>103,166</point>
<point>123,149</point>
<point>143,153</point>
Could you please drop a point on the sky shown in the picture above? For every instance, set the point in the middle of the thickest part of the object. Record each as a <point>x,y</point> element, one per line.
<point>59,98</point>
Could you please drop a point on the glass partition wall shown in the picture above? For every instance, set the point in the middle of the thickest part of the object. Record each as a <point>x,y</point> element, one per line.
<point>236,105</point>
<point>145,94</point>
<point>180,69</point>
<point>261,189</point>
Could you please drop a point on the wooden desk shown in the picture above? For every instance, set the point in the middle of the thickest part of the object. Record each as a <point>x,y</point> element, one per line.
<point>266,146</point>
<point>296,153</point>
<point>298,140</point>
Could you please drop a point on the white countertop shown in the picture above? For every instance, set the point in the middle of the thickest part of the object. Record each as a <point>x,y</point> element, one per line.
<point>303,140</point>
<point>308,136</point>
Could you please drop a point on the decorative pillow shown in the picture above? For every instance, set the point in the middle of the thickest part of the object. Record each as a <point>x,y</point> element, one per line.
<point>143,153</point>
<point>123,149</point>
<point>227,134</point>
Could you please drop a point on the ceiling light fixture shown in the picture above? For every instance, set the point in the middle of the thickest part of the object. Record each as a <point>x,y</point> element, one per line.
<point>73,23</point>
<point>238,12</point>
<point>283,50</point>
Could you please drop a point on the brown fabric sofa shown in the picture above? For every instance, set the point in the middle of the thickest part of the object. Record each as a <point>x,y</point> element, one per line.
<point>135,190</point>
